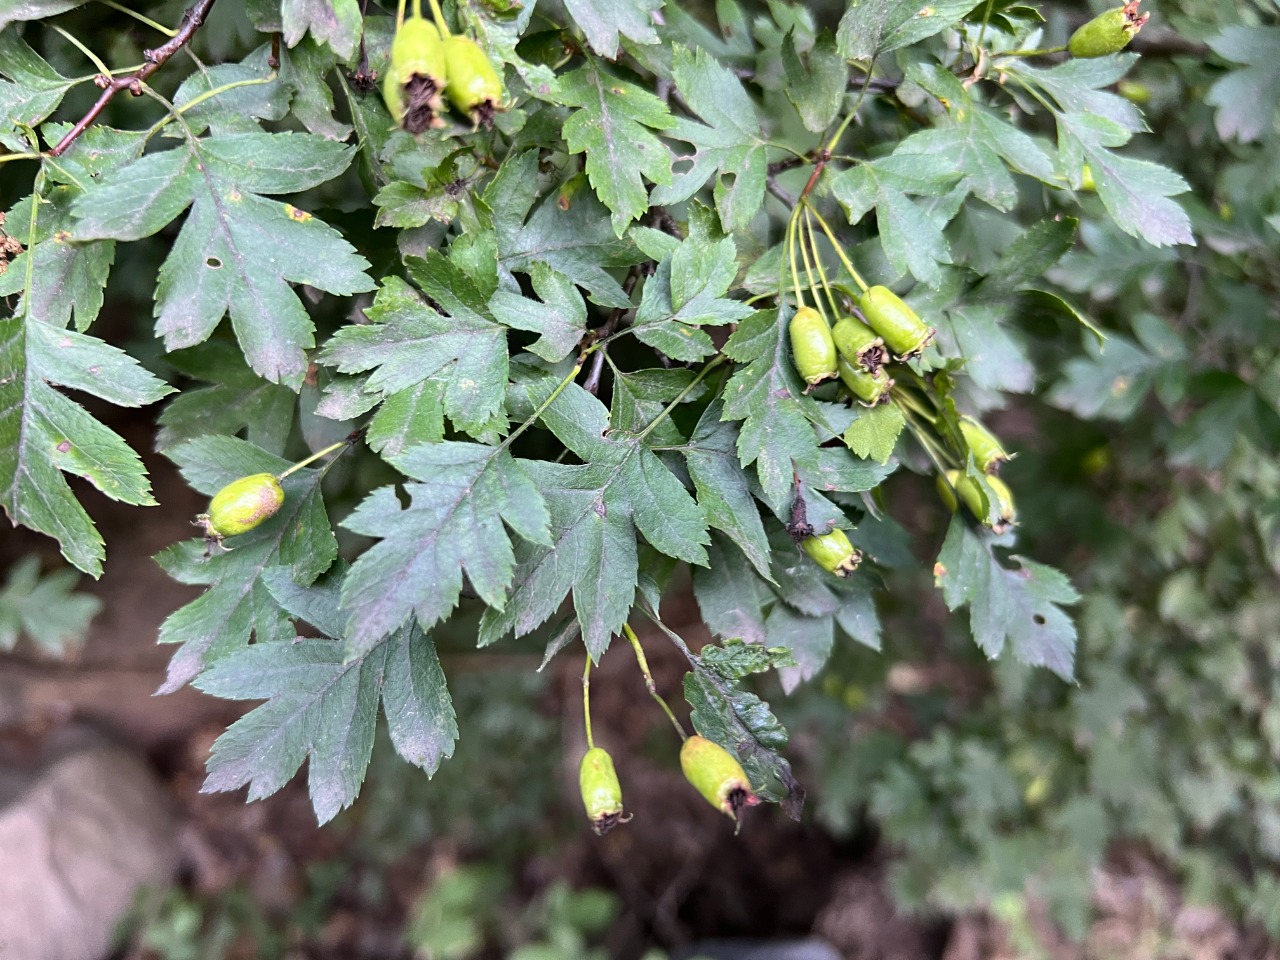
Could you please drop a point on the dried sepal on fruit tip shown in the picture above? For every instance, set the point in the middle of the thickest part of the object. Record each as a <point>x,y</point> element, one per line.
<point>1109,32</point>
<point>812,349</point>
<point>889,316</point>
<point>601,792</point>
<point>242,505</point>
<point>416,76</point>
<point>859,344</point>
<point>716,774</point>
<point>474,87</point>
<point>833,552</point>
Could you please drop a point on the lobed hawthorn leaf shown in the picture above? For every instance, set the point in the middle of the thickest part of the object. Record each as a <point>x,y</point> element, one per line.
<point>596,509</point>
<point>606,21</point>
<point>262,94</point>
<point>575,239</point>
<point>237,250</point>
<point>767,396</point>
<point>871,27</point>
<point>322,704</point>
<point>237,603</point>
<point>613,126</point>
<point>335,23</point>
<point>32,90</point>
<point>687,291</point>
<point>560,317</point>
<point>433,365</point>
<point>47,610</point>
<point>816,88</point>
<point>911,239</point>
<point>44,433</point>
<point>875,433</point>
<point>453,524</point>
<point>237,400</point>
<point>1020,606</point>
<point>1241,97</point>
<point>12,11</point>
<point>728,143</point>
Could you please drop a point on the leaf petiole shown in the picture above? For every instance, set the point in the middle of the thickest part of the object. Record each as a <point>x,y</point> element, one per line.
<point>648,680</point>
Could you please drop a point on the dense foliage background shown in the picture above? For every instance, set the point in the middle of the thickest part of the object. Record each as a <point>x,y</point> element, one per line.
<point>567,330</point>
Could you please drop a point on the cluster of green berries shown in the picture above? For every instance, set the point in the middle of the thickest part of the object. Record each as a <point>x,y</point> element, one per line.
<point>425,67</point>
<point>712,770</point>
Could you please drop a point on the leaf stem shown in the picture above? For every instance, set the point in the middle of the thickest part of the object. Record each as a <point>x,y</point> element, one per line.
<point>857,277</point>
<point>103,69</point>
<point>791,253</point>
<point>822,271</point>
<point>666,411</point>
<point>158,27</point>
<point>437,15</point>
<point>559,389</point>
<point>586,703</point>
<point>1042,52</point>
<point>134,82</point>
<point>648,680</point>
<point>345,442</point>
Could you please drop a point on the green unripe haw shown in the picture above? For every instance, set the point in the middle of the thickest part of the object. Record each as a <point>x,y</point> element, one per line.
<point>971,494</point>
<point>1108,32</point>
<point>812,349</point>
<point>716,774</point>
<point>474,87</point>
<point>416,76</point>
<point>870,388</point>
<point>988,452</point>
<point>242,505</point>
<point>903,331</point>
<point>601,792</point>
<point>833,552</point>
<point>859,344</point>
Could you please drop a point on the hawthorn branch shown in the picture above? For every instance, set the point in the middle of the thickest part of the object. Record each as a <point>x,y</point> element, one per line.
<point>191,21</point>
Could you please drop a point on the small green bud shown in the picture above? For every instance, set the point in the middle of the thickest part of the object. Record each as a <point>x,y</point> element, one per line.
<point>833,552</point>
<point>601,792</point>
<point>716,774</point>
<point>905,333</point>
<point>416,76</point>
<point>242,505</point>
<point>1087,183</point>
<point>870,388</point>
<point>474,87</point>
<point>859,344</point>
<point>1108,32</point>
<point>812,348</point>
<point>988,453</point>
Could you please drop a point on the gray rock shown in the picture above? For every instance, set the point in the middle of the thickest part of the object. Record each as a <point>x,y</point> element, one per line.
<point>811,949</point>
<point>79,836</point>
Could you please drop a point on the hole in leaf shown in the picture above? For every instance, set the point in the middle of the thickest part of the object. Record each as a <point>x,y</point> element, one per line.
<point>213,262</point>
<point>1039,620</point>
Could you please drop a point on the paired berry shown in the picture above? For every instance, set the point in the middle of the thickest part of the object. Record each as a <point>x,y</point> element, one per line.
<point>473,87</point>
<point>903,331</point>
<point>976,502</point>
<point>869,387</point>
<point>416,76</point>
<point>812,348</point>
<point>859,344</point>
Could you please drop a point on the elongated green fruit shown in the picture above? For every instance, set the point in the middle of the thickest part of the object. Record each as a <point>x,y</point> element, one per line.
<point>474,87</point>
<point>859,344</point>
<point>416,76</point>
<point>242,505</point>
<point>601,792</point>
<point>812,349</point>
<point>716,774</point>
<point>833,552</point>
<point>904,332</point>
<point>971,494</point>
<point>870,388</point>
<point>988,452</point>
<point>1108,32</point>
